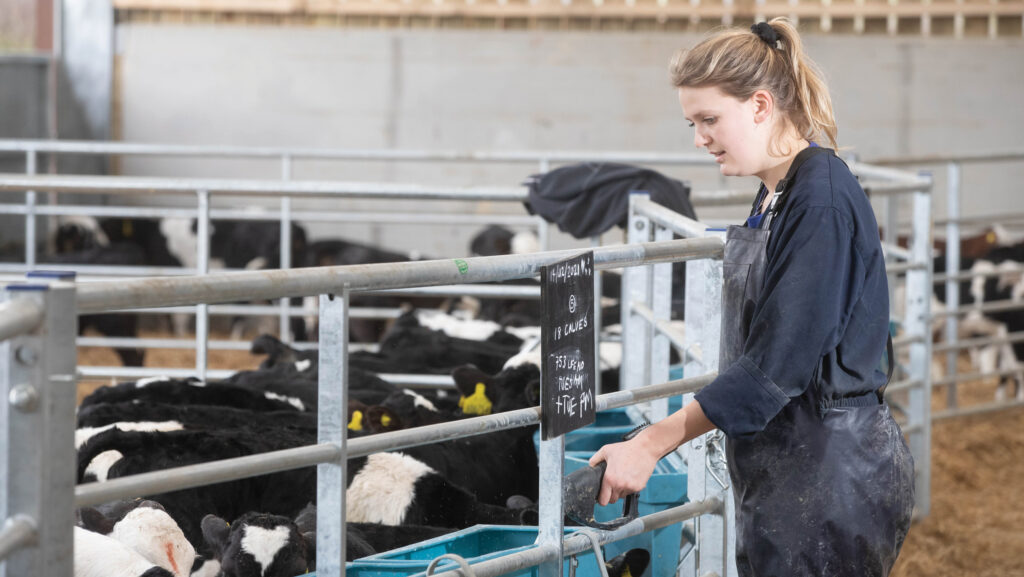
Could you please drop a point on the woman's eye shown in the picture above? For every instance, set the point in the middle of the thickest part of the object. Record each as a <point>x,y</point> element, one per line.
<point>709,120</point>
<point>690,124</point>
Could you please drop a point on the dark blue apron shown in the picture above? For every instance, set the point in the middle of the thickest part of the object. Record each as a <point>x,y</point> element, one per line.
<point>827,489</point>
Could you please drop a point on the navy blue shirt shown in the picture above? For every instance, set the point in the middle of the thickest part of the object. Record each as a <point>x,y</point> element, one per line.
<point>824,303</point>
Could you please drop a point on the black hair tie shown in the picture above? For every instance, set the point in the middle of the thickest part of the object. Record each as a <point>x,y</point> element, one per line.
<point>766,33</point>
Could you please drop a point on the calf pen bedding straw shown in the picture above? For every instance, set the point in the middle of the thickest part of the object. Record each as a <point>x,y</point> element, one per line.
<point>976,526</point>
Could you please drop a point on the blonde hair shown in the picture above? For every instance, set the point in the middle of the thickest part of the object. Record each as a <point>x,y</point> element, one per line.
<point>739,63</point>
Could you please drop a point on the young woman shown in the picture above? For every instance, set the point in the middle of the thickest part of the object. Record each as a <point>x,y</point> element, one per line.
<point>822,477</point>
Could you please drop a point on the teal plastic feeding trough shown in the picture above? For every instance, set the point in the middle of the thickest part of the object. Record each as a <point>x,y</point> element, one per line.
<point>475,544</point>
<point>665,489</point>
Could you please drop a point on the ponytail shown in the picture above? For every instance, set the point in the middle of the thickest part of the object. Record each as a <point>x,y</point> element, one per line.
<point>768,57</point>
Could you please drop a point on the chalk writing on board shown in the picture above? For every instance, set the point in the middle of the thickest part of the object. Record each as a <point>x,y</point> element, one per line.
<point>567,302</point>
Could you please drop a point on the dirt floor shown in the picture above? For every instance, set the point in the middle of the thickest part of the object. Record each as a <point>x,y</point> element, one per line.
<point>976,524</point>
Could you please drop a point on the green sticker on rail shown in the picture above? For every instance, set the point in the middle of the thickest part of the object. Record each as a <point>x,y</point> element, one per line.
<point>463,266</point>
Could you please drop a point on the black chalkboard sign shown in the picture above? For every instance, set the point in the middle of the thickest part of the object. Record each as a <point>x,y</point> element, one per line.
<point>567,345</point>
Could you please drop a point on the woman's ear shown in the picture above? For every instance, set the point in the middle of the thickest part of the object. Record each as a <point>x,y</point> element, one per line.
<point>763,104</point>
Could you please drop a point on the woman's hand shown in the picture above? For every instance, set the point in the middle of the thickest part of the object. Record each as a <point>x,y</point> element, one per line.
<point>630,465</point>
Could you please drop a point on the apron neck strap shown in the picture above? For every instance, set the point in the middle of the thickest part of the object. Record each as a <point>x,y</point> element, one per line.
<point>784,185</point>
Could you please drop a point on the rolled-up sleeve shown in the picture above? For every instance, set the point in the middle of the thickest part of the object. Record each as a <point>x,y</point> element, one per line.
<point>812,279</point>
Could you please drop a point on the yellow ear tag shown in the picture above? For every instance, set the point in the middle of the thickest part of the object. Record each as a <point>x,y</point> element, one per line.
<point>385,420</point>
<point>625,572</point>
<point>477,403</point>
<point>356,424</point>
<point>990,238</point>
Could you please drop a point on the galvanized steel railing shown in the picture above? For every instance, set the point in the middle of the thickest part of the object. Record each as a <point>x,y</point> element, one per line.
<point>35,418</point>
<point>953,222</point>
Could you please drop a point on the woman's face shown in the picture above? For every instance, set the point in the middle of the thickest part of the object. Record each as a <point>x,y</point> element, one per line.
<point>734,131</point>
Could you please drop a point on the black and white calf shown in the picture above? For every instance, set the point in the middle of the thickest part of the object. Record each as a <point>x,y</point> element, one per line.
<point>144,527</point>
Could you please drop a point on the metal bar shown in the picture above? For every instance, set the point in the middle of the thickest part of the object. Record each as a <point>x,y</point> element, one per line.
<point>30,212</point>
<point>980,342</point>
<point>906,340</point>
<point>37,416</point>
<point>17,318</point>
<point>332,429</point>
<point>903,385</point>
<point>905,267</point>
<point>968,377</point>
<point>261,285</point>
<point>886,188</point>
<point>663,327</point>
<point>543,157</point>
<point>406,438</point>
<point>578,542</point>
<point>953,182</point>
<point>1004,268</point>
<point>986,219</point>
<point>305,188</point>
<point>892,250</point>
<point>134,271</point>
<point>976,410</point>
<point>994,306</point>
<point>265,310</point>
<point>550,506</point>
<point>411,381</point>
<point>18,531</point>
<point>867,171</point>
<point>963,158</point>
<point>276,461</point>
<point>721,197</point>
<point>661,310</point>
<point>203,266</point>
<point>683,226</point>
<point>270,215</point>
<point>473,290</point>
<point>284,324</point>
<point>919,291</point>
<point>636,287</point>
<point>140,373</point>
<point>595,241</point>
<point>204,474</point>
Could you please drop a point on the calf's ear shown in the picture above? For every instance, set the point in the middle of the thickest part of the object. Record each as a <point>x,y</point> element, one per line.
<point>215,532</point>
<point>91,519</point>
<point>466,377</point>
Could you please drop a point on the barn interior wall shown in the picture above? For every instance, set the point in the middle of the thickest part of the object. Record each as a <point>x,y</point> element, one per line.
<point>514,90</point>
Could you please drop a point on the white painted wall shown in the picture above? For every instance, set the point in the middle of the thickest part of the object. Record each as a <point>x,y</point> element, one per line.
<point>437,89</point>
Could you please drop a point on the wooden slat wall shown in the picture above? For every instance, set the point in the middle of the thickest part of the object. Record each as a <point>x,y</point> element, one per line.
<point>958,17</point>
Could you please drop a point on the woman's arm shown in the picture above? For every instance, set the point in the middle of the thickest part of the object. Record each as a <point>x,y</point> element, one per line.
<point>631,463</point>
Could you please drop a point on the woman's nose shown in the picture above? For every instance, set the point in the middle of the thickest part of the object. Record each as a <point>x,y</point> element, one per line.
<point>699,140</point>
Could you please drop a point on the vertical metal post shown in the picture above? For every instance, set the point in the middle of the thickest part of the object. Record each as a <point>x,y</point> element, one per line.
<point>953,179</point>
<point>661,305</point>
<point>543,234</point>
<point>203,266</point>
<point>30,213</point>
<point>543,227</point>
<point>550,507</point>
<point>286,247</point>
<point>332,427</point>
<point>37,415</point>
<point>636,287</point>
<point>694,453</point>
<point>707,474</point>
<point>595,241</point>
<point>919,286</point>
